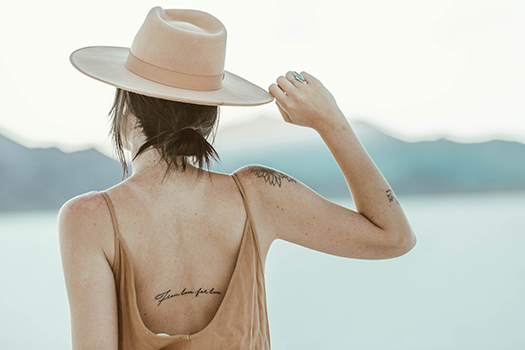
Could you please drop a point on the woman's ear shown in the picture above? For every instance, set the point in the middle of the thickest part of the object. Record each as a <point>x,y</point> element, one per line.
<point>132,136</point>
<point>128,122</point>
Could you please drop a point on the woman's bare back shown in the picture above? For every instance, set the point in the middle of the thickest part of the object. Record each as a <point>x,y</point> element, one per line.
<point>184,238</point>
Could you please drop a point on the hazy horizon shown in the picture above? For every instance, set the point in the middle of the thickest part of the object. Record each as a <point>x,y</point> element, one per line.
<point>230,129</point>
<point>421,70</point>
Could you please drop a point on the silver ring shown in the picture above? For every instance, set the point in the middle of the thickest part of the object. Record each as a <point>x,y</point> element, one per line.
<point>299,77</point>
<point>294,79</point>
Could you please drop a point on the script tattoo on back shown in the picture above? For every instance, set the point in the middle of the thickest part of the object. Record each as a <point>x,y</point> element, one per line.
<point>270,176</point>
<point>168,295</point>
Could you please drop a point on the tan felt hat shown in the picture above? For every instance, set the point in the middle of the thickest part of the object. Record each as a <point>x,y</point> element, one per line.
<point>176,55</point>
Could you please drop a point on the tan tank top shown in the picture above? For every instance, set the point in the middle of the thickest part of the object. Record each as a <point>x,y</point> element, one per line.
<point>241,321</point>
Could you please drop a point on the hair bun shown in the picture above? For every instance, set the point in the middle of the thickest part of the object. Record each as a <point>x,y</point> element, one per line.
<point>186,129</point>
<point>188,141</point>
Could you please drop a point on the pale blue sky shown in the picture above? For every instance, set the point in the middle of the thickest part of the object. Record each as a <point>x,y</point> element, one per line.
<point>422,69</point>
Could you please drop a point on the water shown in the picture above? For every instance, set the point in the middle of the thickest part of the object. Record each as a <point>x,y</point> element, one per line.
<point>462,287</point>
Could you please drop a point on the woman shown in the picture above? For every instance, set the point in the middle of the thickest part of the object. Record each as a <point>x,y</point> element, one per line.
<point>173,257</point>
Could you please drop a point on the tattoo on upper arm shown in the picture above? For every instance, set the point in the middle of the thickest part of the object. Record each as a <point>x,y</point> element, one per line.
<point>167,294</point>
<point>270,176</point>
<point>391,196</point>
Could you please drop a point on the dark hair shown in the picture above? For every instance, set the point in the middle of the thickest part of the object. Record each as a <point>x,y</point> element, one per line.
<point>178,130</point>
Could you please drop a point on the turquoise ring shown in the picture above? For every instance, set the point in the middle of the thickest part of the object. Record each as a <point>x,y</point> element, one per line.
<point>298,77</point>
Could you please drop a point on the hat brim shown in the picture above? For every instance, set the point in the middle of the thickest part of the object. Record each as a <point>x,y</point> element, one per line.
<point>107,64</point>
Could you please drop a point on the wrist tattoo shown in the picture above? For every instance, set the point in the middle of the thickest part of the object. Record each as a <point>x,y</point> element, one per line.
<point>270,176</point>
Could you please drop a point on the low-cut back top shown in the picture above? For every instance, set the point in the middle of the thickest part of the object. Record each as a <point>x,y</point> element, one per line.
<point>241,321</point>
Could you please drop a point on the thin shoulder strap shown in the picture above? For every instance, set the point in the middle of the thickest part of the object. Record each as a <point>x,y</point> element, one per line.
<point>243,195</point>
<point>249,215</point>
<point>114,221</point>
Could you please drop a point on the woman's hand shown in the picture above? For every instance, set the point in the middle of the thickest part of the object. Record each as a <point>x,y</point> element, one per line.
<point>307,104</point>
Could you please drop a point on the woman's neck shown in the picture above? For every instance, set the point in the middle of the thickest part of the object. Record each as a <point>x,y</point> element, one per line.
<point>149,164</point>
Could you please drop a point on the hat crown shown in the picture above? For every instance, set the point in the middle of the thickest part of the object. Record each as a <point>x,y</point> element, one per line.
<point>176,55</point>
<point>184,41</point>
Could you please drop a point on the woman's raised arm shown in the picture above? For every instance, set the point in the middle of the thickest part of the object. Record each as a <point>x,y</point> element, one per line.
<point>287,209</point>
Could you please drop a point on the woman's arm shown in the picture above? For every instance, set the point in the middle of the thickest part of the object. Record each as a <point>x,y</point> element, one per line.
<point>293,212</point>
<point>83,225</point>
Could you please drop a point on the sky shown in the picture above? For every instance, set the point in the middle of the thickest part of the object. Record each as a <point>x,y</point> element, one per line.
<point>421,70</point>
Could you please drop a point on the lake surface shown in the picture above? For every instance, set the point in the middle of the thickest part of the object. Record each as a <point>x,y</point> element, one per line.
<point>462,287</point>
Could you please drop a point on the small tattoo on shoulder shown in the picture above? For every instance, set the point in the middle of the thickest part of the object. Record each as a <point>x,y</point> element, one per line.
<point>270,176</point>
<point>391,197</point>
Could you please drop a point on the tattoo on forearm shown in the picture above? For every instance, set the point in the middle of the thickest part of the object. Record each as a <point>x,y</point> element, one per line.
<point>166,295</point>
<point>270,176</point>
<point>391,197</point>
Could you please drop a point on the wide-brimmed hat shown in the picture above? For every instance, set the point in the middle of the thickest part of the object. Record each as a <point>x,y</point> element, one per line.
<point>176,55</point>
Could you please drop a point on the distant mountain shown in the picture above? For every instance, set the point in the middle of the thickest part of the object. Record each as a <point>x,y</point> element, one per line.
<point>411,168</point>
<point>40,179</point>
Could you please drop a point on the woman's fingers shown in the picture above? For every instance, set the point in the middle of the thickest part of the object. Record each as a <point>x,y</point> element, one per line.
<point>280,97</point>
<point>289,77</point>
<point>285,84</point>
<point>306,103</point>
<point>276,92</point>
<point>292,98</point>
<point>285,115</point>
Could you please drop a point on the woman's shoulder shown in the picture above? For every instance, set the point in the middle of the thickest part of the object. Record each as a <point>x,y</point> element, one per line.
<point>264,180</point>
<point>281,206</point>
<point>79,206</point>
<point>267,188</point>
<point>83,221</point>
<point>83,207</point>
